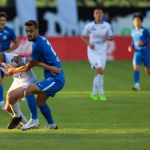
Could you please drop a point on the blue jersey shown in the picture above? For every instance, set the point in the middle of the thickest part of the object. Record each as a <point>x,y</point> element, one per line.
<point>43,51</point>
<point>6,36</point>
<point>142,35</point>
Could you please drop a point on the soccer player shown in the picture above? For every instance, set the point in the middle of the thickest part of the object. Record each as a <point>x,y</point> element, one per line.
<point>95,35</point>
<point>7,36</point>
<point>50,85</point>
<point>20,80</point>
<point>140,45</point>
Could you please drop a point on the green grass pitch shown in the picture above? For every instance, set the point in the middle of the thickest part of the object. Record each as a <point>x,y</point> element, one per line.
<point>121,123</point>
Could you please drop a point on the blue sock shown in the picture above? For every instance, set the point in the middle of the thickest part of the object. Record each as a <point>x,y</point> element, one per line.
<point>136,76</point>
<point>46,112</point>
<point>31,101</point>
<point>1,93</point>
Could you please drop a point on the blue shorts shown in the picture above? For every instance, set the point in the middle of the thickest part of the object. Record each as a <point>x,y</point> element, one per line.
<point>140,58</point>
<point>51,86</point>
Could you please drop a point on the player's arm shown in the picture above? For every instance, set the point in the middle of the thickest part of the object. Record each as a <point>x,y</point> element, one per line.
<point>110,38</point>
<point>87,42</point>
<point>52,69</point>
<point>13,47</point>
<point>29,65</point>
<point>131,47</point>
<point>33,63</point>
<point>23,68</point>
<point>85,36</point>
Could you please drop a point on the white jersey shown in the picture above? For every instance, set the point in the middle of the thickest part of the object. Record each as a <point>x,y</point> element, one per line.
<point>97,34</point>
<point>22,79</point>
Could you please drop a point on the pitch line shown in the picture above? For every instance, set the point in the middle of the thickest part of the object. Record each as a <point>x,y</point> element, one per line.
<point>83,131</point>
<point>114,93</point>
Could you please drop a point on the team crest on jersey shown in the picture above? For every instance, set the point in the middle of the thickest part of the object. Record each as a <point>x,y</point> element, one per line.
<point>93,28</point>
<point>103,26</point>
<point>96,64</point>
<point>4,37</point>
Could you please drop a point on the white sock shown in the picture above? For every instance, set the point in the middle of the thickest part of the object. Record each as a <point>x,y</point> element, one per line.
<point>94,88</point>
<point>137,84</point>
<point>100,83</point>
<point>16,109</point>
<point>24,119</point>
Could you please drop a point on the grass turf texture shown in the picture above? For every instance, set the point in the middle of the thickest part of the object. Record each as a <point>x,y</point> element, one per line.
<point>121,123</point>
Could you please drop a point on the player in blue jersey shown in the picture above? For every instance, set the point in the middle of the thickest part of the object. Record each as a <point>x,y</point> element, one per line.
<point>20,80</point>
<point>52,83</point>
<point>140,45</point>
<point>7,36</point>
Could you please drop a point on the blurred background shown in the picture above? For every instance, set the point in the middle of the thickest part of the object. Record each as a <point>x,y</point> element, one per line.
<point>62,21</point>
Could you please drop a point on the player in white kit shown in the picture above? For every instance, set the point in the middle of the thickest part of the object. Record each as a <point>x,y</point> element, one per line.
<point>95,35</point>
<point>20,80</point>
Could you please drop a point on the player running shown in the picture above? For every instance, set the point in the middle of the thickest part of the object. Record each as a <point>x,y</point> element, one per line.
<point>95,35</point>
<point>140,45</point>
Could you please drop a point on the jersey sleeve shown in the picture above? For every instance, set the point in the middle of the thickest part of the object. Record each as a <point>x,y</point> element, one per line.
<point>13,35</point>
<point>110,33</point>
<point>147,37</point>
<point>86,31</point>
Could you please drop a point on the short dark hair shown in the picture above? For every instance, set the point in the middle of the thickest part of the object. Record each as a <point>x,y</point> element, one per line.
<point>3,14</point>
<point>140,16</point>
<point>32,22</point>
<point>97,8</point>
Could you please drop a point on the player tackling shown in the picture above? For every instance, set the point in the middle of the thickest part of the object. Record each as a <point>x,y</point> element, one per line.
<point>42,51</point>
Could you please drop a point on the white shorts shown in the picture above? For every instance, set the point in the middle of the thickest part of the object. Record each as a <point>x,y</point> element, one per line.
<point>97,58</point>
<point>17,84</point>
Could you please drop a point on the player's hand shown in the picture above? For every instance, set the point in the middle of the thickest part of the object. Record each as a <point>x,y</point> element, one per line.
<point>130,49</point>
<point>91,46</point>
<point>54,70</point>
<point>9,72</point>
<point>140,43</point>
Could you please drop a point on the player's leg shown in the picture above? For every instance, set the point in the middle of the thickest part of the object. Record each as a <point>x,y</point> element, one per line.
<point>137,61</point>
<point>32,105</point>
<point>91,58</point>
<point>147,69</point>
<point>98,62</point>
<point>16,113</point>
<point>46,110</point>
<point>19,93</point>
<point>101,62</point>
<point>50,87</point>
<point>146,61</point>
<point>100,83</point>
<point>2,102</point>
<point>16,94</point>
<point>9,110</point>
